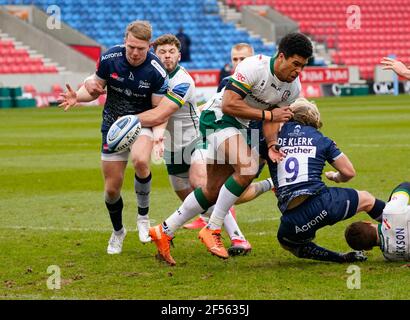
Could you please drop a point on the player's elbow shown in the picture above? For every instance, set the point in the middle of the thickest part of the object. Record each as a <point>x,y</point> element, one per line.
<point>228,108</point>
<point>348,174</point>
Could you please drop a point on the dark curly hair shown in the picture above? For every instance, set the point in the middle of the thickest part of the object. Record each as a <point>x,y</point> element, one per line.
<point>296,43</point>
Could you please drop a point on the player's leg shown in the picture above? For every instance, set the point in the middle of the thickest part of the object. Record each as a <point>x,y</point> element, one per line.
<point>368,203</point>
<point>140,157</point>
<point>195,203</point>
<point>113,172</point>
<point>231,145</point>
<point>399,199</point>
<point>197,179</point>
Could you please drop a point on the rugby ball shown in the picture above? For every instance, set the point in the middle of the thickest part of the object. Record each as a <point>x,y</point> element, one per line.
<point>123,133</point>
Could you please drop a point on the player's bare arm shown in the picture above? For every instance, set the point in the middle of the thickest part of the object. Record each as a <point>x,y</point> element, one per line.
<point>71,98</point>
<point>397,66</point>
<point>234,105</point>
<point>345,170</point>
<point>162,110</point>
<point>270,131</point>
<point>95,86</point>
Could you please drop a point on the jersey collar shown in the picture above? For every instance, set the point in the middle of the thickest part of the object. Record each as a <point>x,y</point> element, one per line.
<point>173,73</point>
<point>272,64</point>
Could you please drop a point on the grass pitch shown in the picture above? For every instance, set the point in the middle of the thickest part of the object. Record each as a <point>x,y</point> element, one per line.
<point>52,213</point>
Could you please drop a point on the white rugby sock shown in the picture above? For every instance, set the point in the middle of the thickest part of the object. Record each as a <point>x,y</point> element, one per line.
<point>228,195</point>
<point>189,209</point>
<point>232,227</point>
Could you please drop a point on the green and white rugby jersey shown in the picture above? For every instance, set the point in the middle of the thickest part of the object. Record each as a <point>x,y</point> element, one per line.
<point>255,77</point>
<point>394,233</point>
<point>183,125</point>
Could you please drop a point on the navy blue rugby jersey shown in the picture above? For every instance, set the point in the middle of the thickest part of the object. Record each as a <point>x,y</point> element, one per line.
<point>307,151</point>
<point>129,88</point>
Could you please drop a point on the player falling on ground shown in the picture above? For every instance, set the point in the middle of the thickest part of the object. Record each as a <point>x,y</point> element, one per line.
<point>305,202</point>
<point>392,236</point>
<point>136,81</point>
<point>256,91</point>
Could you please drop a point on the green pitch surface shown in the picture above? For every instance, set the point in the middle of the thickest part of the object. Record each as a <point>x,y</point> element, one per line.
<point>52,214</point>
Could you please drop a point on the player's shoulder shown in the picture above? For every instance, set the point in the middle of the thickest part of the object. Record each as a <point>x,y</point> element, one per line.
<point>113,53</point>
<point>183,76</point>
<point>153,61</point>
<point>256,62</point>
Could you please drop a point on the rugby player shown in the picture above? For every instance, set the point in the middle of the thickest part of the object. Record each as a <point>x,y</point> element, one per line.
<point>239,52</point>
<point>136,81</point>
<point>305,202</point>
<point>261,89</point>
<point>392,236</point>
<point>185,157</point>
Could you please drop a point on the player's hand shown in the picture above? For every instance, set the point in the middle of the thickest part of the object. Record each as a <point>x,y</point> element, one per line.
<point>332,176</point>
<point>68,99</point>
<point>355,256</point>
<point>395,65</point>
<point>275,154</point>
<point>94,88</point>
<point>158,149</point>
<point>282,114</point>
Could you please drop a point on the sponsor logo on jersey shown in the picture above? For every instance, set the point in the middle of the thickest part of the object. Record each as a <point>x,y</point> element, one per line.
<point>285,95</point>
<point>312,222</point>
<point>386,224</point>
<point>115,76</point>
<point>297,132</point>
<point>159,68</point>
<point>128,92</point>
<point>240,77</point>
<point>144,84</point>
<point>260,101</point>
<point>131,77</point>
<point>274,86</point>
<point>111,55</point>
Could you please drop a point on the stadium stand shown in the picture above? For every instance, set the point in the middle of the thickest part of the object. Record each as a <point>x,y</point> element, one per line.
<point>18,60</point>
<point>211,37</point>
<point>383,28</point>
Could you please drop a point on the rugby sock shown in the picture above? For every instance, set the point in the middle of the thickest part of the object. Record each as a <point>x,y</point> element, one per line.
<point>228,195</point>
<point>312,251</point>
<point>399,199</point>
<point>401,194</point>
<point>142,189</point>
<point>263,186</point>
<point>377,210</point>
<point>193,204</point>
<point>115,210</point>
<point>232,227</point>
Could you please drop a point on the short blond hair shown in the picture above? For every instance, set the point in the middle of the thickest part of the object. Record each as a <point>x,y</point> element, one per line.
<point>306,113</point>
<point>242,45</point>
<point>166,39</point>
<point>141,30</point>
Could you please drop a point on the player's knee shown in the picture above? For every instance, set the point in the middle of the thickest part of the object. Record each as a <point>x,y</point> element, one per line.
<point>366,201</point>
<point>111,194</point>
<point>141,165</point>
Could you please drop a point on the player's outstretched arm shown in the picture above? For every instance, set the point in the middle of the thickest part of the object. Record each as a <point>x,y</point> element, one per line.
<point>345,169</point>
<point>162,110</point>
<point>95,86</point>
<point>396,66</point>
<point>71,98</point>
